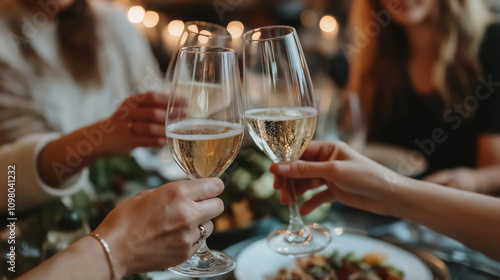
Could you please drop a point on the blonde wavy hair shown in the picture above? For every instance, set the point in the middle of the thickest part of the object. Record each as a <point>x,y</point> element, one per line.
<point>379,66</point>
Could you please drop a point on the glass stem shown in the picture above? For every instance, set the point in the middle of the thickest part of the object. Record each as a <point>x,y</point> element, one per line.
<point>204,248</point>
<point>297,231</point>
<point>203,258</point>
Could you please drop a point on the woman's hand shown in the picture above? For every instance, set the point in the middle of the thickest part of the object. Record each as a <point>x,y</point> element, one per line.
<point>140,122</point>
<point>158,228</point>
<point>461,178</point>
<point>352,179</point>
<point>154,230</point>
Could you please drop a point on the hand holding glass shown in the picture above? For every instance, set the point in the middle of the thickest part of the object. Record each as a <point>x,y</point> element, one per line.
<point>282,119</point>
<point>205,137</point>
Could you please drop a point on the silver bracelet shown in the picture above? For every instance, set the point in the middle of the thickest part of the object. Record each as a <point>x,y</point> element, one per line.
<point>107,252</point>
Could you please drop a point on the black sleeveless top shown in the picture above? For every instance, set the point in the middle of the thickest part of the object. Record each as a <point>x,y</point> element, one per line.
<point>446,134</point>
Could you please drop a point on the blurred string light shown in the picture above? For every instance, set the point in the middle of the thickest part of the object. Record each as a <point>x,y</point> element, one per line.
<point>328,24</point>
<point>193,28</point>
<point>184,38</point>
<point>175,27</point>
<point>235,28</point>
<point>151,19</point>
<point>204,36</point>
<point>136,14</point>
<point>256,35</point>
<point>309,18</point>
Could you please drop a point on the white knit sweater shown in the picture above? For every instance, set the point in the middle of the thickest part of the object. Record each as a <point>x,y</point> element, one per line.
<point>36,109</point>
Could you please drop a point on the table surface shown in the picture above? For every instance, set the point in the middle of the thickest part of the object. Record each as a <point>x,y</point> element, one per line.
<point>434,249</point>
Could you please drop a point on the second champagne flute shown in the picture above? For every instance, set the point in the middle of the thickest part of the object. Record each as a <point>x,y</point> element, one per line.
<point>205,136</point>
<point>282,120</point>
<point>197,34</point>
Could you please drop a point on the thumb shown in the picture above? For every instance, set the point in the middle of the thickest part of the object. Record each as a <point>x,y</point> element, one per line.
<point>304,169</point>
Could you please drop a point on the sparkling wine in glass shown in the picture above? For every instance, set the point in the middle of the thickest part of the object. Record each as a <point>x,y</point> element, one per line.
<point>281,119</point>
<point>205,136</point>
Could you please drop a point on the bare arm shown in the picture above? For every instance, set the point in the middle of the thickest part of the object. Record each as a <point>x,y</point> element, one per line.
<point>154,230</point>
<point>470,218</point>
<point>74,263</point>
<point>489,163</point>
<point>45,161</point>
<point>484,179</point>
<point>357,181</point>
<point>139,121</point>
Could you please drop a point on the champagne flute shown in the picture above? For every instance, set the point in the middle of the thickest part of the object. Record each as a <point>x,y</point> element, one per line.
<point>205,137</point>
<point>196,33</point>
<point>281,120</point>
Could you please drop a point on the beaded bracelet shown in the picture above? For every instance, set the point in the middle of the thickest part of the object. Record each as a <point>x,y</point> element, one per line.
<point>107,252</point>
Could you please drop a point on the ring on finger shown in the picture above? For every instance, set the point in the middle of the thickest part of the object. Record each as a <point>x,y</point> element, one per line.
<point>203,234</point>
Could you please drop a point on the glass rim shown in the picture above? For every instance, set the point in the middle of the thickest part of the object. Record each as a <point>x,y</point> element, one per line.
<point>205,23</point>
<point>206,49</point>
<point>247,37</point>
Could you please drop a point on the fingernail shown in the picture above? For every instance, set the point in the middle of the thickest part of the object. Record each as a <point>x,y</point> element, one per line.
<point>284,168</point>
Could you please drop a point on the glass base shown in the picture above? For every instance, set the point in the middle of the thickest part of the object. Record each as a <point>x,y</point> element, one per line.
<point>214,263</point>
<point>313,239</point>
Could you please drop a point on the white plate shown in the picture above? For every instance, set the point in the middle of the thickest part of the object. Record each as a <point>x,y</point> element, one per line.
<point>404,161</point>
<point>257,262</point>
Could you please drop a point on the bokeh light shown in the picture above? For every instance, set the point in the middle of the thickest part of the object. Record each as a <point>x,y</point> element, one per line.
<point>151,19</point>
<point>256,35</point>
<point>328,23</point>
<point>204,36</point>
<point>175,27</point>
<point>193,28</point>
<point>183,39</point>
<point>136,14</point>
<point>235,28</point>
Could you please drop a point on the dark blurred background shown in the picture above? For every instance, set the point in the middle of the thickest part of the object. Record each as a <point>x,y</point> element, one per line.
<point>163,27</point>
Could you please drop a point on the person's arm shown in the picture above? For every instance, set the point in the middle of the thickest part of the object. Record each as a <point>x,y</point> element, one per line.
<point>49,165</point>
<point>484,179</point>
<point>23,179</point>
<point>154,230</point>
<point>138,122</point>
<point>489,163</point>
<point>470,218</point>
<point>24,131</point>
<point>74,263</point>
<point>357,181</point>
